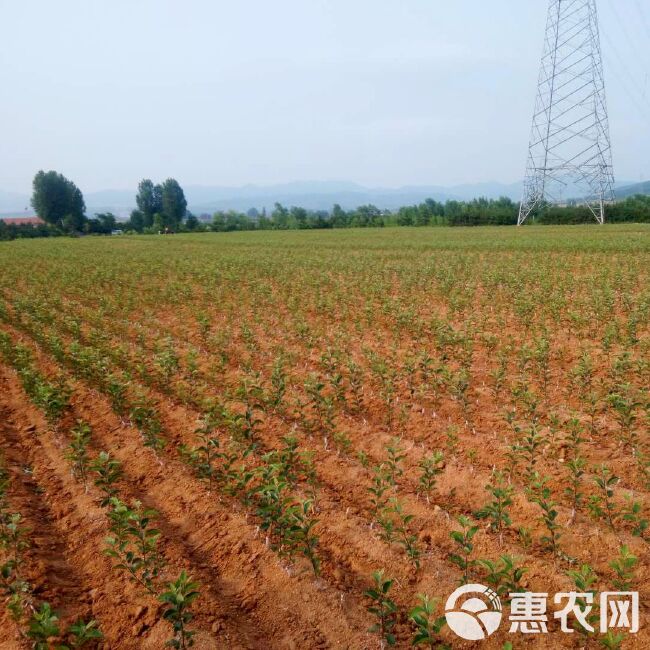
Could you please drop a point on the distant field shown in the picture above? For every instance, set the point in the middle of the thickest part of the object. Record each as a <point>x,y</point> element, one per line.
<point>304,408</point>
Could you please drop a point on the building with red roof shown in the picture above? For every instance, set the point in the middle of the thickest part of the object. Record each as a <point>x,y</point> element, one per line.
<point>22,221</point>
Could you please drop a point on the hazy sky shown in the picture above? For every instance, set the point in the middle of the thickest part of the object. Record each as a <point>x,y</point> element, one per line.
<point>229,92</point>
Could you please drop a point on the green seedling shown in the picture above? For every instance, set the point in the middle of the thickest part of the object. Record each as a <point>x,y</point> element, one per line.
<point>43,625</point>
<point>432,466</point>
<point>380,486</point>
<point>134,542</point>
<point>393,464</point>
<point>4,503</point>
<point>273,502</point>
<point>167,362</point>
<point>624,567</point>
<point>386,525</point>
<point>382,608</point>
<point>612,640</point>
<point>18,593</point>
<point>355,380</point>
<point>452,440</point>
<point>399,525</point>
<point>77,451</point>
<point>601,505</point>
<point>576,470</point>
<point>463,538</point>
<point>504,577</point>
<point>343,443</point>
<point>363,459</point>
<point>178,599</point>
<point>633,513</point>
<point>116,390</point>
<point>541,494</point>
<point>278,384</point>
<point>531,441</point>
<point>80,634</point>
<point>14,540</point>
<point>144,417</point>
<point>202,458</point>
<point>300,534</point>
<point>497,509</point>
<point>427,625</point>
<point>584,579</point>
<point>295,465</point>
<point>625,404</point>
<point>108,472</point>
<point>525,537</point>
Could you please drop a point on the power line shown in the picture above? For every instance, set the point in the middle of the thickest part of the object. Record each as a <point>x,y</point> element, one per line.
<point>623,70</point>
<point>644,19</point>
<point>628,36</point>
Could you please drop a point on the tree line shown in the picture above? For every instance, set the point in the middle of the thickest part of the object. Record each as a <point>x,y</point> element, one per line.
<point>59,203</point>
<point>479,212</point>
<point>162,208</point>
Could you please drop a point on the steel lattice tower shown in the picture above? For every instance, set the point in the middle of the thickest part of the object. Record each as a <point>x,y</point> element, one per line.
<point>570,155</point>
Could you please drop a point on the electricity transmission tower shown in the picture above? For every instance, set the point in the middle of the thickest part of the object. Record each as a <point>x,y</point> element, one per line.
<point>570,155</point>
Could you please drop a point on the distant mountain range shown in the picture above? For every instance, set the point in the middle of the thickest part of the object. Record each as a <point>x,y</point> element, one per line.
<point>631,190</point>
<point>313,195</point>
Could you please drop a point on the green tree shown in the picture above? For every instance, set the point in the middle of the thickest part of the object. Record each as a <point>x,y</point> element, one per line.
<point>367,215</point>
<point>339,217</point>
<point>58,201</point>
<point>280,217</point>
<point>107,222</point>
<point>149,201</point>
<point>219,221</point>
<point>299,215</point>
<point>174,204</point>
<point>158,224</point>
<point>136,222</point>
<point>191,223</point>
<point>263,222</point>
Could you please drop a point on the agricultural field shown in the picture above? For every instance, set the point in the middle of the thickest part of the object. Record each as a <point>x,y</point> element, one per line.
<point>308,440</point>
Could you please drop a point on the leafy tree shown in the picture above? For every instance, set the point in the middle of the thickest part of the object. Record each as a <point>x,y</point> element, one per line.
<point>319,219</point>
<point>103,224</point>
<point>108,221</point>
<point>405,216</point>
<point>174,204</point>
<point>299,215</point>
<point>263,222</point>
<point>136,222</point>
<point>280,217</point>
<point>339,217</point>
<point>218,222</point>
<point>58,201</point>
<point>191,223</point>
<point>158,224</point>
<point>149,201</point>
<point>367,215</point>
